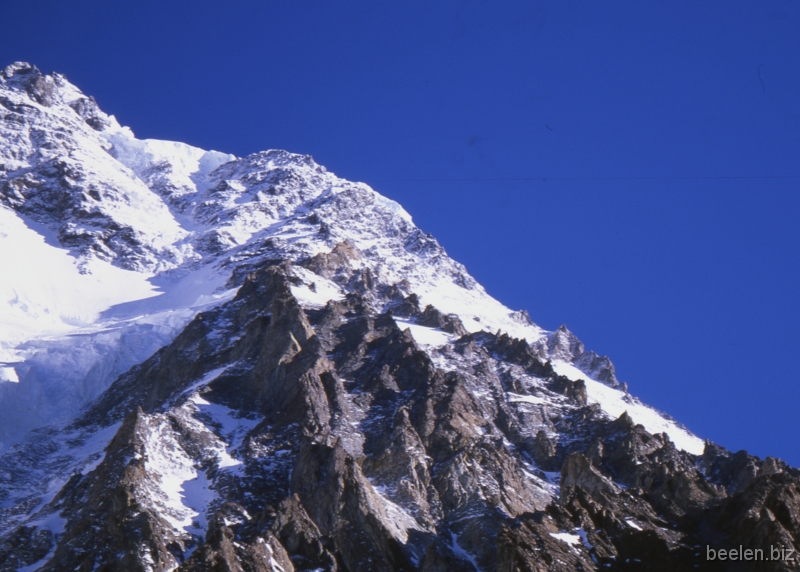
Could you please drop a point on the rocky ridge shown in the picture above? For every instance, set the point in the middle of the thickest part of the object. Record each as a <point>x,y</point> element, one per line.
<point>357,402</point>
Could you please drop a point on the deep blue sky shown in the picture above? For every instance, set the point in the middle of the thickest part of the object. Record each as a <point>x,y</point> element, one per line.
<point>661,236</point>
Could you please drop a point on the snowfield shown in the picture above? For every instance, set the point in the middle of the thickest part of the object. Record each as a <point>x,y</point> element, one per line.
<point>46,291</point>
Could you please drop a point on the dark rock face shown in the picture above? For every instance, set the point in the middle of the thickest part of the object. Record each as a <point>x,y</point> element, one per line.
<point>328,440</point>
<point>565,345</point>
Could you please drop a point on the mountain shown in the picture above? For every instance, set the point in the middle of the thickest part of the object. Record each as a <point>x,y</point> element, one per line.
<point>222,363</point>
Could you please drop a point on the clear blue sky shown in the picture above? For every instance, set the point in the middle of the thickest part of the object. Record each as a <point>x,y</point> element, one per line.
<point>661,235</point>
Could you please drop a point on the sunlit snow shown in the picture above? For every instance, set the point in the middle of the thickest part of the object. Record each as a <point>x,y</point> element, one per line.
<point>571,539</point>
<point>632,523</point>
<point>44,290</point>
<point>78,324</point>
<point>314,291</point>
<point>189,165</point>
<point>232,428</point>
<point>516,398</point>
<point>424,335</point>
<point>179,490</point>
<point>615,402</point>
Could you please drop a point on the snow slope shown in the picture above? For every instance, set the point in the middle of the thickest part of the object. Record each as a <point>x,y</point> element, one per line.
<point>615,402</point>
<point>45,292</point>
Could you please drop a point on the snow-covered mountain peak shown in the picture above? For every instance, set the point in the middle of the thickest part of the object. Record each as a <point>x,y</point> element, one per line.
<point>49,90</point>
<point>163,229</point>
<point>250,363</point>
<point>142,234</point>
